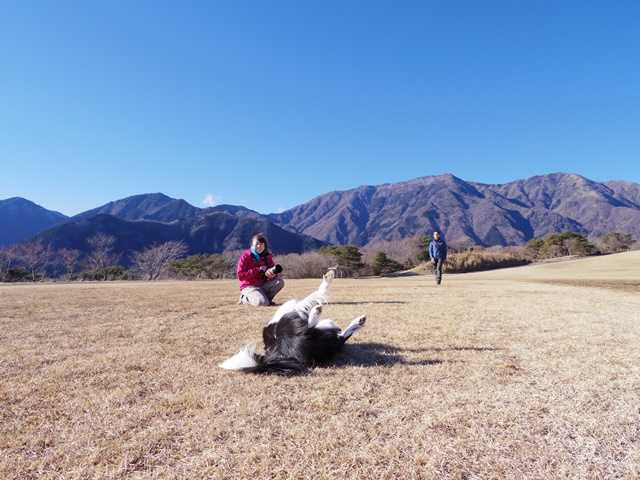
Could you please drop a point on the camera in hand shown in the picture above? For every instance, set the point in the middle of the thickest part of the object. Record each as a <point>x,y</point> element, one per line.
<point>274,270</point>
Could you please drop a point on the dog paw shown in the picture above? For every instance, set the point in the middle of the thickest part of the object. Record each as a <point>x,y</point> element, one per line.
<point>358,322</point>
<point>315,315</point>
<point>329,276</point>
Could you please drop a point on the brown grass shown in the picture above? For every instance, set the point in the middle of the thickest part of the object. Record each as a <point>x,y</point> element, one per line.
<point>530,372</point>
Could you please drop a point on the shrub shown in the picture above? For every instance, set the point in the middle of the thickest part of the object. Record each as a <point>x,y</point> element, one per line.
<point>110,273</point>
<point>616,242</point>
<point>347,256</point>
<point>383,265</point>
<point>306,265</point>
<point>201,266</point>
<point>475,261</point>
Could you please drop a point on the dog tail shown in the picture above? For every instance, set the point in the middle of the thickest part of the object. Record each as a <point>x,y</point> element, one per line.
<point>248,361</point>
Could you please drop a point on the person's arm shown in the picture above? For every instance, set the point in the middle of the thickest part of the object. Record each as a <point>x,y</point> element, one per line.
<point>246,269</point>
<point>269,261</point>
<point>270,264</point>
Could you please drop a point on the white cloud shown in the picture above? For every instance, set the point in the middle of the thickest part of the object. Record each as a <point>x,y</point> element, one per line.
<point>280,209</point>
<point>210,200</point>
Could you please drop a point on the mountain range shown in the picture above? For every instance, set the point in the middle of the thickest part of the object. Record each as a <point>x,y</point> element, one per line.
<point>467,212</point>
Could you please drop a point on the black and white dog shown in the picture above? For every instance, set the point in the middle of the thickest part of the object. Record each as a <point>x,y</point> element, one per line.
<point>296,337</point>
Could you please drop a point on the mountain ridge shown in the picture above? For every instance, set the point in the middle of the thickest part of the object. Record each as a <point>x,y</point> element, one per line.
<point>468,212</point>
<point>21,218</point>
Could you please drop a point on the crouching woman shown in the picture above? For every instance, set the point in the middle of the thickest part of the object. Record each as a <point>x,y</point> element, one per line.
<point>259,282</point>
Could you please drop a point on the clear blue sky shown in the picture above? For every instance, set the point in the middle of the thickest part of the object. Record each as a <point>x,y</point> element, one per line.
<point>268,104</point>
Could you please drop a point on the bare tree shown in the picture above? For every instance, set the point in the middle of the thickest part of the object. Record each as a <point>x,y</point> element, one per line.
<point>570,245</point>
<point>102,255</point>
<point>35,256</point>
<point>405,249</point>
<point>555,251</point>
<point>306,265</point>
<point>616,242</point>
<point>70,259</point>
<point>7,257</point>
<point>409,250</point>
<point>152,261</point>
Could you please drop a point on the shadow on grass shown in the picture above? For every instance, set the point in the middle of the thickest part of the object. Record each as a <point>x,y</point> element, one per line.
<point>380,354</point>
<point>406,274</point>
<point>390,302</point>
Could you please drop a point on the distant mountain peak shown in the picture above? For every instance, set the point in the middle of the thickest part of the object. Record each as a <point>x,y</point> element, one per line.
<point>468,212</point>
<point>150,206</point>
<point>21,218</point>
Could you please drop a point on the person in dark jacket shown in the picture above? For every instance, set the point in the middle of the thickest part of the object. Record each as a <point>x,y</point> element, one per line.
<point>259,281</point>
<point>438,254</point>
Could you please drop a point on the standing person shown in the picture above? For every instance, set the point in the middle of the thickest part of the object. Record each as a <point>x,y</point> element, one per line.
<point>259,282</point>
<point>438,254</point>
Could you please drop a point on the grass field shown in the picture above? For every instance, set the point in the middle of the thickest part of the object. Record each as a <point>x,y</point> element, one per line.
<point>531,372</point>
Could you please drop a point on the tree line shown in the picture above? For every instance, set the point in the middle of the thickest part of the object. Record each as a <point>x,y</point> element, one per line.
<point>576,244</point>
<point>32,260</point>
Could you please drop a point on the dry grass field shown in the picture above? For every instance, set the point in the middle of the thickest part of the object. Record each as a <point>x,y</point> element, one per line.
<point>531,372</point>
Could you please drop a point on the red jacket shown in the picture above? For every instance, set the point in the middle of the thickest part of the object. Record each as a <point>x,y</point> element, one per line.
<point>249,272</point>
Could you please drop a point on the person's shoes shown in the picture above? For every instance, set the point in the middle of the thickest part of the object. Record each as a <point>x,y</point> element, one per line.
<point>241,299</point>
<point>272,303</point>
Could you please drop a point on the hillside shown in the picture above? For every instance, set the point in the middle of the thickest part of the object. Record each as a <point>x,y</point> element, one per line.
<point>21,218</point>
<point>468,213</point>
<point>620,269</point>
<point>213,232</point>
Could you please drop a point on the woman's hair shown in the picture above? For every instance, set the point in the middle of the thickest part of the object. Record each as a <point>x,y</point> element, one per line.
<point>259,237</point>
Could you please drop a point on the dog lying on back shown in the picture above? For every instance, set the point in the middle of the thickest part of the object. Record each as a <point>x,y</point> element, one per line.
<point>296,337</point>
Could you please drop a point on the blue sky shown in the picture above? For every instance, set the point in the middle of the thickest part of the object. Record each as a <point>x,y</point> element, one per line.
<point>268,104</point>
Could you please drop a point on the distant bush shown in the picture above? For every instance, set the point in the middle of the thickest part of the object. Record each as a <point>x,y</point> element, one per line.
<point>476,261</point>
<point>348,257</point>
<point>615,242</point>
<point>306,265</point>
<point>110,273</point>
<point>383,265</point>
<point>201,266</point>
<point>14,275</point>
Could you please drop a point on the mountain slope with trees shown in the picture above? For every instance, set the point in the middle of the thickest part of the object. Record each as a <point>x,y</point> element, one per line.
<point>469,213</point>
<point>213,232</point>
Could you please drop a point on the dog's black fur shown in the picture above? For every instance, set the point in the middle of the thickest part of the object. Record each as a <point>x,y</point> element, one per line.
<point>295,338</point>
